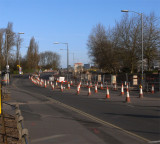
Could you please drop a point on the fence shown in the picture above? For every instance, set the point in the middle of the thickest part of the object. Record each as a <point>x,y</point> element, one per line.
<point>134,80</point>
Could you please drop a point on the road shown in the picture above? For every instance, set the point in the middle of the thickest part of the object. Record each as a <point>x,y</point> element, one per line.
<point>64,117</point>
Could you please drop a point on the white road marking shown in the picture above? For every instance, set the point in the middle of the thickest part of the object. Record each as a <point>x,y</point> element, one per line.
<point>48,138</point>
<point>158,141</point>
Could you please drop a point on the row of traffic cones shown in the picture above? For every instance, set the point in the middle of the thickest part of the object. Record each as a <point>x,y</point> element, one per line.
<point>89,90</point>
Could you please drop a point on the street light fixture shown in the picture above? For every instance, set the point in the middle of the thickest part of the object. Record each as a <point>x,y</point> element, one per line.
<point>67,56</point>
<point>141,14</point>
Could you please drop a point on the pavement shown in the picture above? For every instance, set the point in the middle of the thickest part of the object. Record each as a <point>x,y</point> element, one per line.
<point>67,118</point>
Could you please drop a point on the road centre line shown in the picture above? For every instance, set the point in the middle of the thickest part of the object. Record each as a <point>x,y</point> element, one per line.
<point>98,120</point>
<point>158,141</point>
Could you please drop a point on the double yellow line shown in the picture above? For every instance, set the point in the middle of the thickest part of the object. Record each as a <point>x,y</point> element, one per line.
<point>98,120</point>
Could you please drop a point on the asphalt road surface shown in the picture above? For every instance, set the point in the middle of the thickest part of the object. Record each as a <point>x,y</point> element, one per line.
<point>67,118</point>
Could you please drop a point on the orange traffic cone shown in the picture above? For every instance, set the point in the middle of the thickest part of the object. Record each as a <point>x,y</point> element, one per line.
<point>127,87</point>
<point>61,88</point>
<point>78,89</point>
<point>152,89</point>
<point>45,84</point>
<point>52,86</point>
<point>141,93</point>
<point>80,83</point>
<point>107,95</point>
<point>56,84</point>
<point>69,85</point>
<point>96,88</point>
<point>89,91</point>
<point>115,86</point>
<point>101,86</point>
<point>122,90</point>
<point>87,83</point>
<point>90,84</point>
<point>128,97</point>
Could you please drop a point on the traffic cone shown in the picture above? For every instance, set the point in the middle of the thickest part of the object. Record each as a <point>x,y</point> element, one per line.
<point>122,90</point>
<point>90,84</point>
<point>48,82</point>
<point>52,86</point>
<point>97,84</point>
<point>115,86</point>
<point>107,94</point>
<point>45,84</point>
<point>128,97</point>
<point>96,88</point>
<point>141,93</point>
<point>69,85</point>
<point>152,89</point>
<point>101,86</point>
<point>89,91</point>
<point>78,89</point>
<point>56,84</point>
<point>61,88</point>
<point>87,83</point>
<point>127,87</point>
<point>80,83</point>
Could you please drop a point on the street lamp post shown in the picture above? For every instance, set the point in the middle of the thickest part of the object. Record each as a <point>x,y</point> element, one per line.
<point>7,66</point>
<point>141,14</point>
<point>67,56</point>
<point>18,47</point>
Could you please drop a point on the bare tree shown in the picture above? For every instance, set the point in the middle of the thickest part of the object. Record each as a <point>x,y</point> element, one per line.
<point>121,47</point>
<point>18,42</point>
<point>32,55</point>
<point>1,48</point>
<point>9,40</point>
<point>151,39</point>
<point>49,60</point>
<point>101,50</point>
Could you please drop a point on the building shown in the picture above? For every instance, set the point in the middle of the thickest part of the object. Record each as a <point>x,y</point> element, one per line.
<point>78,67</point>
<point>87,66</point>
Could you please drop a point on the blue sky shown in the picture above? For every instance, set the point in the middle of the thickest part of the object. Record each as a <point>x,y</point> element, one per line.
<point>68,21</point>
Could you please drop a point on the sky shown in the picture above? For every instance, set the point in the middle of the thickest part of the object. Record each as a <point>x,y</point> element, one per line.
<point>67,21</point>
